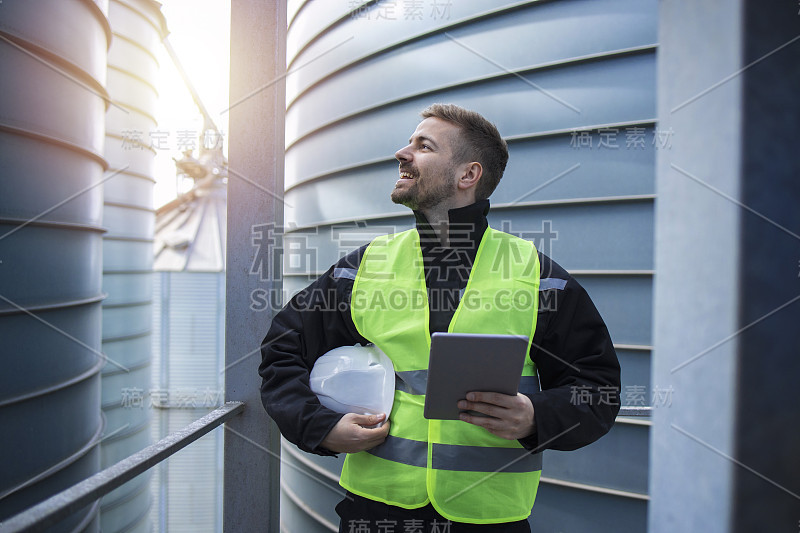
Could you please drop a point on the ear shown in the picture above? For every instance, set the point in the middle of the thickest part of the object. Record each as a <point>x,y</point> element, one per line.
<point>472,172</point>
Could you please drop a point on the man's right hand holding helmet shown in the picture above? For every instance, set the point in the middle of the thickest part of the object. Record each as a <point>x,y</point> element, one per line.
<point>355,433</point>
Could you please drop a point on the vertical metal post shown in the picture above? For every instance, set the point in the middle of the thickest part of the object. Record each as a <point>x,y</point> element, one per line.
<point>727,291</point>
<point>767,492</point>
<point>255,186</point>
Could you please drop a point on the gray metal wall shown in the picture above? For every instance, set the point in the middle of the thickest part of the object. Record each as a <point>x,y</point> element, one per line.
<point>571,85</point>
<point>137,26</point>
<point>53,60</point>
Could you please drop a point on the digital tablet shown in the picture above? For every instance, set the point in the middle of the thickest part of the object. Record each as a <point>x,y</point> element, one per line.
<point>464,362</point>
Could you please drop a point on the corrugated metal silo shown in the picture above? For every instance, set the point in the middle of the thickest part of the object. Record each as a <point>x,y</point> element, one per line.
<point>53,59</point>
<point>571,85</point>
<point>131,132</point>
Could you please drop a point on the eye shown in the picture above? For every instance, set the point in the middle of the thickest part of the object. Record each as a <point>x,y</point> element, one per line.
<point>426,146</point>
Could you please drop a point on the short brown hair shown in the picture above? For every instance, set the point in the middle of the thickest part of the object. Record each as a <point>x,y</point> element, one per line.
<point>480,141</point>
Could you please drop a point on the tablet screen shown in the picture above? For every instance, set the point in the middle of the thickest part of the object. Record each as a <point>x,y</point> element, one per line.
<point>464,362</point>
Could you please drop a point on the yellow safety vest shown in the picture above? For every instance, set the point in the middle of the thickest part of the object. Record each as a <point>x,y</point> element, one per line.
<point>468,474</point>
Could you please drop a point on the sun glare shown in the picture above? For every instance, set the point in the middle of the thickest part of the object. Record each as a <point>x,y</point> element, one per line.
<point>200,36</point>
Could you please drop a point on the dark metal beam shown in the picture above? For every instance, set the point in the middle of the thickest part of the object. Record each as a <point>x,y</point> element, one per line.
<point>766,486</point>
<point>255,217</point>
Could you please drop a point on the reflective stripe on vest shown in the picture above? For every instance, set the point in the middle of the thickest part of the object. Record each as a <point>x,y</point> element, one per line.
<point>468,474</point>
<point>458,457</point>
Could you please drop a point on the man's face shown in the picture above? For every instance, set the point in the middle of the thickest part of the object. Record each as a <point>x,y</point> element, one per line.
<point>427,172</point>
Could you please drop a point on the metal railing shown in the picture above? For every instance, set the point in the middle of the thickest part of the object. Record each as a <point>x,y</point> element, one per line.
<point>59,506</point>
<point>635,410</point>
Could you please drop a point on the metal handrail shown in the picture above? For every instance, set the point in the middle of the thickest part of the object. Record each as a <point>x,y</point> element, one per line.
<point>61,505</point>
<point>635,410</point>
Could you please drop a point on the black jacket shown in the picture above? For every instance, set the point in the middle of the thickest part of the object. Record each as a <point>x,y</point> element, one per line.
<point>575,359</point>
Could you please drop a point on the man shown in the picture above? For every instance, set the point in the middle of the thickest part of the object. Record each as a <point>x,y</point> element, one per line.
<point>444,475</point>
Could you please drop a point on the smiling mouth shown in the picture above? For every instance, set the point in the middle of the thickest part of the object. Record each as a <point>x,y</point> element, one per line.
<point>406,176</point>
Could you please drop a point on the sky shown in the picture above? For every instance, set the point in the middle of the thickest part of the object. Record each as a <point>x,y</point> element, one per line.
<point>200,35</point>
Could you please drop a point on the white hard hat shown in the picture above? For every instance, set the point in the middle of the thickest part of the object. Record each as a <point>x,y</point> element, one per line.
<point>354,379</point>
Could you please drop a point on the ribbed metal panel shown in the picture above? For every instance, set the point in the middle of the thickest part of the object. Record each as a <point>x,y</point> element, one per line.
<point>190,492</point>
<point>571,85</point>
<point>187,345</point>
<point>193,360</point>
<point>52,54</point>
<point>309,490</point>
<point>137,26</point>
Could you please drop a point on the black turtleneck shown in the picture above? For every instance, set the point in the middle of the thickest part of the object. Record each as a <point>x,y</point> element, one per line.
<point>447,268</point>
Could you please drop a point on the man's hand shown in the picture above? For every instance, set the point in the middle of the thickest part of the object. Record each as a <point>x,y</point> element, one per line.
<point>353,433</point>
<point>511,416</point>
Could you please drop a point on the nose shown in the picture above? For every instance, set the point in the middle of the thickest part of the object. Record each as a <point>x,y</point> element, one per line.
<point>403,154</point>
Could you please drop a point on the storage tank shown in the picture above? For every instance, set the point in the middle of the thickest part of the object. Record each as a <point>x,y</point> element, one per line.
<point>132,137</point>
<point>571,86</point>
<point>53,59</point>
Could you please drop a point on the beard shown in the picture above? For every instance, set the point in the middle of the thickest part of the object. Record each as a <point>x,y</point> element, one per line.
<point>423,195</point>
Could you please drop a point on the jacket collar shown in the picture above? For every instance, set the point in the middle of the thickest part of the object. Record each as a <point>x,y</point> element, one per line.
<point>466,226</point>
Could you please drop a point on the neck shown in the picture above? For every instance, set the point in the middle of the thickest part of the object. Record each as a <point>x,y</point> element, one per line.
<point>439,221</point>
